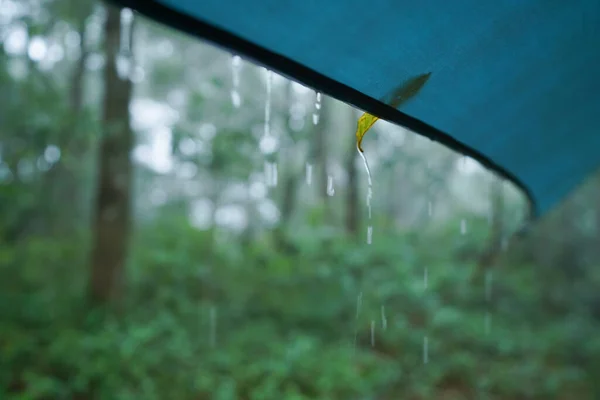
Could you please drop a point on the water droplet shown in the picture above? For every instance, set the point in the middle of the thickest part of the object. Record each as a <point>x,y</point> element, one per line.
<point>268,144</point>
<point>308,174</point>
<point>268,103</point>
<point>463,226</point>
<point>372,333</point>
<point>316,113</point>
<point>425,349</point>
<point>425,278</point>
<point>383,318</point>
<point>330,189</point>
<point>370,234</point>
<point>236,65</point>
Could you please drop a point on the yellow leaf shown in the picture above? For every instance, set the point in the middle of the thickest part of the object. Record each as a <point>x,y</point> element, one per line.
<point>398,97</point>
<point>365,122</point>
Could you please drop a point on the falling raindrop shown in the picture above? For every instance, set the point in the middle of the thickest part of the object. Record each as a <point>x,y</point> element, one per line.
<point>317,112</point>
<point>268,103</point>
<point>383,318</point>
<point>372,333</point>
<point>425,349</point>
<point>236,65</point>
<point>330,189</point>
<point>123,66</point>
<point>271,174</point>
<point>463,226</point>
<point>429,208</point>
<point>213,326</point>
<point>268,144</point>
<point>308,174</point>
<point>126,25</point>
<point>425,278</point>
<point>123,61</point>
<point>370,234</point>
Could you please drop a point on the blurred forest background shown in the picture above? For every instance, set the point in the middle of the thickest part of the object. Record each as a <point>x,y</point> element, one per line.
<point>177,223</point>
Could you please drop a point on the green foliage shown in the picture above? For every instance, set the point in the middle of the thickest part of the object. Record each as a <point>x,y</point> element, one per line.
<point>231,321</point>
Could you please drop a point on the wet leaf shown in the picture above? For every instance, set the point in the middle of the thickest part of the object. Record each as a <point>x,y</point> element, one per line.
<point>398,97</point>
<point>365,122</point>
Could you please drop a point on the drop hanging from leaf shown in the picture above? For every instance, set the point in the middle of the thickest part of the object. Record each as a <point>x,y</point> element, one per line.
<point>401,95</point>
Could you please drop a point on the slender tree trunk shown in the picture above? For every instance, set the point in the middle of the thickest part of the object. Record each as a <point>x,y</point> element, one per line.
<point>494,247</point>
<point>64,181</point>
<point>112,219</point>
<point>290,175</point>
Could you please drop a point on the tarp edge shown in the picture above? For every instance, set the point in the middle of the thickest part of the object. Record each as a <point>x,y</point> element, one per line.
<point>308,77</point>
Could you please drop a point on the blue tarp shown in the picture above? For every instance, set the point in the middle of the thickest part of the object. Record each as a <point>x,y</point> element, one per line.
<point>514,83</point>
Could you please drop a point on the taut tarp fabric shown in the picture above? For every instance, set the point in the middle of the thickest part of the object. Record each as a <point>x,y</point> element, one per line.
<point>514,83</point>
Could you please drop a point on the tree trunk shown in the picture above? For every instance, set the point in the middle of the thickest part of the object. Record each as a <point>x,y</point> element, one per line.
<point>290,175</point>
<point>64,181</point>
<point>494,247</point>
<point>112,218</point>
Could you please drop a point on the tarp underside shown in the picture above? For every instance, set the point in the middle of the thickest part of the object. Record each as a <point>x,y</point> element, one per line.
<point>515,80</point>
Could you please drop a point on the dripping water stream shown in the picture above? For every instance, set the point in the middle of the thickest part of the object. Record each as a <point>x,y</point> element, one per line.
<point>369,195</point>
<point>236,64</point>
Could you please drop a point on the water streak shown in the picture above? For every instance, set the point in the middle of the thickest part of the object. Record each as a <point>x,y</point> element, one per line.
<point>271,174</point>
<point>123,62</point>
<point>268,103</point>
<point>425,349</point>
<point>126,25</point>
<point>369,195</point>
<point>463,226</point>
<point>236,65</point>
<point>487,323</point>
<point>309,168</point>
<point>317,112</point>
<point>330,188</point>
<point>383,318</point>
<point>425,278</point>
<point>429,208</point>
